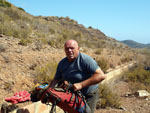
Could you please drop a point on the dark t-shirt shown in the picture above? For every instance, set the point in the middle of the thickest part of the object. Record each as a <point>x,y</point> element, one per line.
<point>82,68</point>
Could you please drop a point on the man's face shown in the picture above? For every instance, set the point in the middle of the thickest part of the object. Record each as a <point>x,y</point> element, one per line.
<point>71,50</point>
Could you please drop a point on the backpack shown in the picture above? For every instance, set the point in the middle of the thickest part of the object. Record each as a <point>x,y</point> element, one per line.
<point>66,99</point>
<point>36,93</point>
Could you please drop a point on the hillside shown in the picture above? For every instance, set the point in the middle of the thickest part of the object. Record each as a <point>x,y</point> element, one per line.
<point>50,30</point>
<point>54,31</point>
<point>134,44</point>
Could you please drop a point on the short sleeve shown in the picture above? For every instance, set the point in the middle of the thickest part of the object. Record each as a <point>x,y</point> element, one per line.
<point>90,65</point>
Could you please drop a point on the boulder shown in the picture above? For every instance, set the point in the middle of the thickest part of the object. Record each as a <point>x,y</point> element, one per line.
<point>142,93</point>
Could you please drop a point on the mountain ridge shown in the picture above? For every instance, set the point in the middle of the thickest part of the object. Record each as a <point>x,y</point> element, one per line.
<point>51,29</point>
<point>134,44</point>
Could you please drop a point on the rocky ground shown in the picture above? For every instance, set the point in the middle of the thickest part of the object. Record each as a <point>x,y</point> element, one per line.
<point>17,68</point>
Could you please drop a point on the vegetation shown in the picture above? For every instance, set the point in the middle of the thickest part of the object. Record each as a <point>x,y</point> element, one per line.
<point>139,77</point>
<point>125,59</point>
<point>4,3</point>
<point>108,98</point>
<point>14,21</point>
<point>24,42</point>
<point>45,73</point>
<point>103,63</point>
<point>98,51</point>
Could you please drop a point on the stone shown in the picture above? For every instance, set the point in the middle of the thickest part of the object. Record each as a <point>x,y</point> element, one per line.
<point>142,93</point>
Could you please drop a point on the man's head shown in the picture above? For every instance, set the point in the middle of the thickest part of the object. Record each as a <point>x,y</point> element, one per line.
<point>71,49</point>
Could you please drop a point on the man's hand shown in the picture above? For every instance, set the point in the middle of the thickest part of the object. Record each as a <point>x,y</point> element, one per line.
<point>77,86</point>
<point>64,85</point>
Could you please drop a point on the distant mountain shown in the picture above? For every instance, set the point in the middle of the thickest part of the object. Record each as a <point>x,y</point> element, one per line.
<point>134,44</point>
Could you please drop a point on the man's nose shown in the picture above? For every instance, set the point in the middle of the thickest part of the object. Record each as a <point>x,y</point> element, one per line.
<point>69,49</point>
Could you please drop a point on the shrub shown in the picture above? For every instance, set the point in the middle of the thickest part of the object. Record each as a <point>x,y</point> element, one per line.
<point>52,31</point>
<point>125,59</point>
<point>24,42</point>
<point>5,4</point>
<point>103,63</point>
<point>108,98</point>
<point>134,86</point>
<point>98,51</point>
<point>14,14</point>
<point>51,43</point>
<point>20,33</point>
<point>11,28</point>
<point>138,78</point>
<point>38,45</point>
<point>45,73</point>
<point>21,9</point>
<point>77,35</point>
<point>139,75</point>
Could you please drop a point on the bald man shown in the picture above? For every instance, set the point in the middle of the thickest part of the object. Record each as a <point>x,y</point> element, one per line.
<point>82,71</point>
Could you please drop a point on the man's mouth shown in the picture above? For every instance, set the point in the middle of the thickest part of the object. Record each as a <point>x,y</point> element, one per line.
<point>70,55</point>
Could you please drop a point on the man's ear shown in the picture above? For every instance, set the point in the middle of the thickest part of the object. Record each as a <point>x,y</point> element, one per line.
<point>78,48</point>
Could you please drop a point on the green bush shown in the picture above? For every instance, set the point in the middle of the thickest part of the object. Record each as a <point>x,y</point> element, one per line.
<point>103,63</point>
<point>77,35</point>
<point>138,78</point>
<point>20,33</point>
<point>45,73</point>
<point>108,98</point>
<point>21,9</point>
<point>38,45</point>
<point>134,86</point>
<point>51,43</point>
<point>52,31</point>
<point>125,59</point>
<point>10,28</point>
<point>4,4</point>
<point>24,42</point>
<point>98,51</point>
<point>14,14</point>
<point>139,75</point>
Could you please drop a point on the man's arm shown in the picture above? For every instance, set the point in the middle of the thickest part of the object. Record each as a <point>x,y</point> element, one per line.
<point>97,77</point>
<point>53,83</point>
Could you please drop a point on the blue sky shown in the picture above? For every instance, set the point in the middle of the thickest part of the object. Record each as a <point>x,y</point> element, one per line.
<point>119,19</point>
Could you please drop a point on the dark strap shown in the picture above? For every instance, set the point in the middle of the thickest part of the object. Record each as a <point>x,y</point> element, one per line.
<point>72,96</point>
<point>53,109</point>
